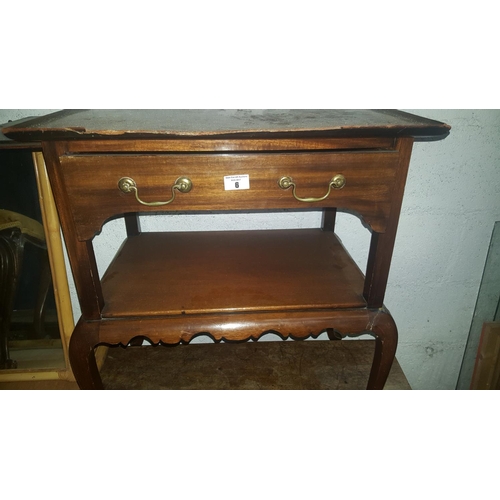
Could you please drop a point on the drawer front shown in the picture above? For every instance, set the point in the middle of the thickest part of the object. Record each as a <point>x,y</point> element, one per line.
<point>228,182</point>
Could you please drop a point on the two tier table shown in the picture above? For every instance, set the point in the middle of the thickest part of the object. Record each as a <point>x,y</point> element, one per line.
<point>169,287</point>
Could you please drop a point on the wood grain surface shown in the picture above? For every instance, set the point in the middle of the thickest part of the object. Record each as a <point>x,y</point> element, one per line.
<point>316,365</point>
<point>249,123</point>
<point>91,182</point>
<point>235,271</point>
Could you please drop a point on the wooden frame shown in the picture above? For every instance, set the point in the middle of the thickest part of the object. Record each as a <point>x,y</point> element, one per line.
<point>60,281</point>
<point>487,368</point>
<point>59,278</point>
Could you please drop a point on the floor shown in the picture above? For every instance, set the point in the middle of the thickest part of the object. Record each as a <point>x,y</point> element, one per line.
<point>45,358</point>
<point>309,365</point>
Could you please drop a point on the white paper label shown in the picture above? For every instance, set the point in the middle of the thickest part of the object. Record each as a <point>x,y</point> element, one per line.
<point>236,182</point>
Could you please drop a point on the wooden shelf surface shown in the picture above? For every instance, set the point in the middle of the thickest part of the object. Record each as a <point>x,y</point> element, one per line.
<point>308,365</point>
<point>161,274</point>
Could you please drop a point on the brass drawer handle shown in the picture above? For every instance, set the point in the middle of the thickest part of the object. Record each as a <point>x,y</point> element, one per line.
<point>128,185</point>
<point>338,182</point>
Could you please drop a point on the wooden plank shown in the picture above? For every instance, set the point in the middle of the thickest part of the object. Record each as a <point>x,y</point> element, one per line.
<point>309,365</point>
<point>251,124</point>
<point>227,145</point>
<point>56,253</point>
<point>235,271</point>
<point>261,365</point>
<point>487,369</point>
<point>6,143</point>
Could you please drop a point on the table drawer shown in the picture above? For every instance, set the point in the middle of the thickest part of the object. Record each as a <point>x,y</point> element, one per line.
<point>363,183</point>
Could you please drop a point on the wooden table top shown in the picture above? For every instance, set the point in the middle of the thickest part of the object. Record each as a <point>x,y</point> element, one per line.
<point>208,123</point>
<point>6,143</point>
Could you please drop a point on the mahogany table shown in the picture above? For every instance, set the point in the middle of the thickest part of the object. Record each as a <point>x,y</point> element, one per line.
<point>236,285</point>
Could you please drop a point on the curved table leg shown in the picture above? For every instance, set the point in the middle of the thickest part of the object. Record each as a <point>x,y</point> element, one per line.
<point>385,331</point>
<point>82,356</point>
<point>296,324</point>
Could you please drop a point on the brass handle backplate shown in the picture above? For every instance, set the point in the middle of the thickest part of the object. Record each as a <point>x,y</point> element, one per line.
<point>128,185</point>
<point>338,182</point>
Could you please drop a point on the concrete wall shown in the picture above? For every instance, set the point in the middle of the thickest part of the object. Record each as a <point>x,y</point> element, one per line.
<point>452,201</point>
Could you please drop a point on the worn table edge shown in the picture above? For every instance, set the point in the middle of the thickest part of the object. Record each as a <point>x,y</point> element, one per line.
<point>39,129</point>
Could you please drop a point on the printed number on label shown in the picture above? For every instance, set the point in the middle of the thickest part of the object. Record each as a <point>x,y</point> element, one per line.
<point>236,182</point>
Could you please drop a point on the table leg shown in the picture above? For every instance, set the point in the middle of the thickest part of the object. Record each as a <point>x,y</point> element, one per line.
<point>385,331</point>
<point>82,355</point>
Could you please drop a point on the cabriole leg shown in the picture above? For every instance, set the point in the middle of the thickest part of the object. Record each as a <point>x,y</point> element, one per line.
<point>386,341</point>
<point>82,355</point>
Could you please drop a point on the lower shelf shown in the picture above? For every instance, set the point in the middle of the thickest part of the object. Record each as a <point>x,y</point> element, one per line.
<point>308,365</point>
<point>261,365</point>
<point>161,274</point>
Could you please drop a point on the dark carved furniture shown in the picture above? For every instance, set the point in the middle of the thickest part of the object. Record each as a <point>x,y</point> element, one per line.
<point>234,286</point>
<point>16,231</point>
